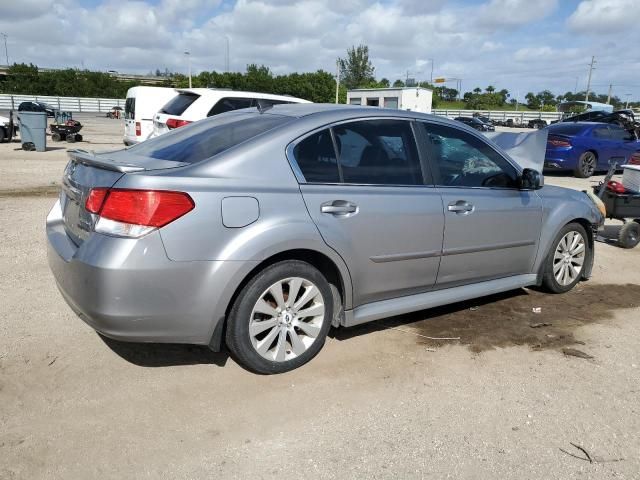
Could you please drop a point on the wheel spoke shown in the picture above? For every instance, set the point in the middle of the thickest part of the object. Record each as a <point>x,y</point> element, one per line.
<point>264,307</point>
<point>309,328</point>
<point>577,249</point>
<point>266,342</point>
<point>296,343</point>
<point>276,292</point>
<point>294,289</point>
<point>312,311</point>
<point>309,293</point>
<point>281,346</point>
<point>578,261</point>
<point>257,327</point>
<point>557,267</point>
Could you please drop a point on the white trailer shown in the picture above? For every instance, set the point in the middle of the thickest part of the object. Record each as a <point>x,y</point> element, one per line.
<point>416,99</point>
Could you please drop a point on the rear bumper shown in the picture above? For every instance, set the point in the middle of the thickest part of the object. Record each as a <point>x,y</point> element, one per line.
<point>128,289</point>
<point>559,160</point>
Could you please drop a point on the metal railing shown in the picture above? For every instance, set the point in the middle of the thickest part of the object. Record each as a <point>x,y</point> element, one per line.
<point>518,117</point>
<point>66,104</point>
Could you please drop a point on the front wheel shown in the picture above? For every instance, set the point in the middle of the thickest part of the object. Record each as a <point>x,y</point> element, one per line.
<point>586,165</point>
<point>281,318</point>
<point>567,259</point>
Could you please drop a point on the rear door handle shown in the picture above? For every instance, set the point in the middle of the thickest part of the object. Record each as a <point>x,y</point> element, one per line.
<point>339,208</point>
<point>460,207</point>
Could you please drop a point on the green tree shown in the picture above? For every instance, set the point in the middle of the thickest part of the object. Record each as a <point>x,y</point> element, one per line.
<point>356,70</point>
<point>398,83</point>
<point>490,89</point>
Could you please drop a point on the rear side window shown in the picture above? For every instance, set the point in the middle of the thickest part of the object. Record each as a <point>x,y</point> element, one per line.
<point>178,104</point>
<point>600,132</point>
<point>130,108</point>
<point>316,158</point>
<point>619,133</point>
<point>207,138</point>
<point>228,104</point>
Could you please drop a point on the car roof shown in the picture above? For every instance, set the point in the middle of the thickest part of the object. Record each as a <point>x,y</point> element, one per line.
<point>227,92</point>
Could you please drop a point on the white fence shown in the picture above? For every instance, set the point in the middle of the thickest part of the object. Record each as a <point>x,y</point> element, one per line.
<point>517,117</point>
<point>65,104</point>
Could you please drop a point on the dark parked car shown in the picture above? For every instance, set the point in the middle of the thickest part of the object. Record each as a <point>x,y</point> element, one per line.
<point>475,122</point>
<point>37,107</point>
<point>586,147</point>
<point>537,123</point>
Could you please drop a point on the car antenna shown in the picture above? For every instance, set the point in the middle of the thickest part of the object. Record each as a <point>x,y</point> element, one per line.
<point>263,105</point>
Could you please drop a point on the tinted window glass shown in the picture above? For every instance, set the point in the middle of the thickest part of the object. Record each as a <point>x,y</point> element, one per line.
<point>130,108</point>
<point>619,133</point>
<point>178,104</point>
<point>463,160</point>
<point>378,152</point>
<point>207,138</point>
<point>316,158</point>
<point>228,104</point>
<point>565,128</point>
<point>600,132</point>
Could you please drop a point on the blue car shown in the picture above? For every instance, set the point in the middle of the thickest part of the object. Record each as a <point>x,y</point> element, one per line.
<point>587,147</point>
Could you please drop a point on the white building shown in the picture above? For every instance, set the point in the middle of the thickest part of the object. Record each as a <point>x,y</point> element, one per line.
<point>415,99</point>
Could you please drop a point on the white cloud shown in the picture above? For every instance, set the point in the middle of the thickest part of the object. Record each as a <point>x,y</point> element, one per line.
<point>605,16</point>
<point>511,13</point>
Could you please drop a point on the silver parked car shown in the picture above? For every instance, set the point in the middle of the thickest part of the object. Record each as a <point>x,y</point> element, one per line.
<point>259,230</point>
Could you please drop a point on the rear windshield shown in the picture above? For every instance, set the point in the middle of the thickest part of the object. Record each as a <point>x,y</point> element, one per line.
<point>565,129</point>
<point>207,138</point>
<point>178,104</point>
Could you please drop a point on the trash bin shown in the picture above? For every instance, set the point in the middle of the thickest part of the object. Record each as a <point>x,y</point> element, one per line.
<point>33,130</point>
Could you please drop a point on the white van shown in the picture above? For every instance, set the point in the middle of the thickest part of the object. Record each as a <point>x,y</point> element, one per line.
<point>141,105</point>
<point>193,104</point>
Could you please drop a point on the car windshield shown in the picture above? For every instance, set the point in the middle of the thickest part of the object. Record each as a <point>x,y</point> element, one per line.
<point>566,129</point>
<point>209,137</point>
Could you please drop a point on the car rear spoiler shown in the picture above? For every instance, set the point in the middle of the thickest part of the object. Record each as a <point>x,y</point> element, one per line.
<point>111,161</point>
<point>526,148</point>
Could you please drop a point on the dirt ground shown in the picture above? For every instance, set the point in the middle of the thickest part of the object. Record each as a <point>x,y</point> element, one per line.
<point>505,398</point>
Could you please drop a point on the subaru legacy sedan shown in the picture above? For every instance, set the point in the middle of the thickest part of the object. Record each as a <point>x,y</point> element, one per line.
<point>257,230</point>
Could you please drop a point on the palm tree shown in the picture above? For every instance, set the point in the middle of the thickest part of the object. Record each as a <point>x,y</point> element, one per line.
<point>490,89</point>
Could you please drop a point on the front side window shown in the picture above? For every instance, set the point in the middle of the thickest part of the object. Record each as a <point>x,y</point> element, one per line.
<point>378,152</point>
<point>464,160</point>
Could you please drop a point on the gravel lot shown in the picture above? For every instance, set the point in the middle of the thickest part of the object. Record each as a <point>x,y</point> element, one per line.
<point>380,401</point>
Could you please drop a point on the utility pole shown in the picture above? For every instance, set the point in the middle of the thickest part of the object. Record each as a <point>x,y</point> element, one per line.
<point>226,57</point>
<point>6,52</point>
<point>609,96</point>
<point>431,60</point>
<point>188,54</point>
<point>337,79</point>
<point>575,90</point>
<point>626,105</point>
<point>593,61</point>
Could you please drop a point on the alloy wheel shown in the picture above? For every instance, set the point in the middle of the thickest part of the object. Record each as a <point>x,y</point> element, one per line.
<point>569,257</point>
<point>588,164</point>
<point>286,319</point>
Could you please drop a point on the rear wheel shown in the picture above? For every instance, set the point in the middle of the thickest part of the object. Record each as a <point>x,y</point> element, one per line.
<point>566,260</point>
<point>586,165</point>
<point>71,138</point>
<point>629,235</point>
<point>4,137</point>
<point>280,319</point>
<point>56,137</point>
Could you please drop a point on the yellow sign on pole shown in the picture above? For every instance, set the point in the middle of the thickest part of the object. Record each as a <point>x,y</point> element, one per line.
<point>440,80</point>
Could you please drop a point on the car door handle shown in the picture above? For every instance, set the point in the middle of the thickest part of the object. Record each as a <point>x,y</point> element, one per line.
<point>339,207</point>
<point>460,207</point>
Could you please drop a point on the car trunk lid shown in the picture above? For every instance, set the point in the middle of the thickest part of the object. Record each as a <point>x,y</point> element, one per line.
<point>87,170</point>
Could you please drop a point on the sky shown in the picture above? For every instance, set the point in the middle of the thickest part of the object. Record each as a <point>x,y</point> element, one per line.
<point>520,45</point>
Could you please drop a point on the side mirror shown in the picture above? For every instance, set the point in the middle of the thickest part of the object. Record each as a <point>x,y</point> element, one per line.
<point>531,180</point>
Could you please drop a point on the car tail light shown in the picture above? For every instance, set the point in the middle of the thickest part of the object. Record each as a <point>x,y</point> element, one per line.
<point>635,159</point>
<point>615,187</point>
<point>558,142</point>
<point>133,213</point>
<point>138,129</point>
<point>177,123</point>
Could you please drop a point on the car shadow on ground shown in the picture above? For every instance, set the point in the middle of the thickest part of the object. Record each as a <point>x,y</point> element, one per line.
<point>165,354</point>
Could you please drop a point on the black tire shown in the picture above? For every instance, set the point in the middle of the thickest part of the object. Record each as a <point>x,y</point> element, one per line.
<point>78,137</point>
<point>3,135</point>
<point>71,138</point>
<point>56,137</point>
<point>549,281</point>
<point>28,147</point>
<point>629,235</point>
<point>237,336</point>
<point>587,164</point>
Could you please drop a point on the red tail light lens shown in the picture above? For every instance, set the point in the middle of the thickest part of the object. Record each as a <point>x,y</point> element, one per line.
<point>151,208</point>
<point>138,129</point>
<point>558,142</point>
<point>177,123</point>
